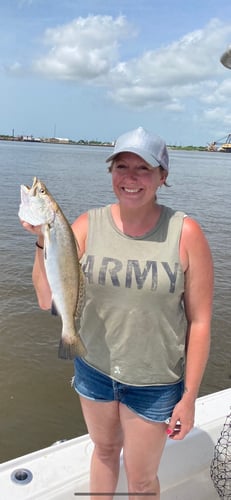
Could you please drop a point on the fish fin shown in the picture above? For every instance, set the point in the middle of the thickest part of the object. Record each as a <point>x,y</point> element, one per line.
<point>54,310</point>
<point>47,239</point>
<point>77,244</point>
<point>73,350</point>
<point>81,295</point>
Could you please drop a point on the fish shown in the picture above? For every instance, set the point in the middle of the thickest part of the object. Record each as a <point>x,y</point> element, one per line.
<point>63,269</point>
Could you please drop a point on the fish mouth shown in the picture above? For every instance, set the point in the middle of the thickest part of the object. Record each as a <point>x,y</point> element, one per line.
<point>35,180</point>
<point>34,186</point>
<point>25,189</point>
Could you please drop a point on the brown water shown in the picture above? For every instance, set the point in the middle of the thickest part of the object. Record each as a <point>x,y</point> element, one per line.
<point>38,405</point>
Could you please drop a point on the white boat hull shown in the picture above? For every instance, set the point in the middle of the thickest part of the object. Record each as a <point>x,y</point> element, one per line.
<point>61,471</point>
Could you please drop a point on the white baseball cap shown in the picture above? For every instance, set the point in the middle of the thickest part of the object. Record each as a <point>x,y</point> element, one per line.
<point>148,146</point>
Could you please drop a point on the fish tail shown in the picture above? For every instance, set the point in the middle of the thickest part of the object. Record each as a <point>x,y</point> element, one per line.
<point>71,350</point>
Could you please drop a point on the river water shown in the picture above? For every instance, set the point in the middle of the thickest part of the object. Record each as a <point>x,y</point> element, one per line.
<point>38,405</point>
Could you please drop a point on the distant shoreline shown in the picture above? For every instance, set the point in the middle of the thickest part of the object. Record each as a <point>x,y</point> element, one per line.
<point>55,140</point>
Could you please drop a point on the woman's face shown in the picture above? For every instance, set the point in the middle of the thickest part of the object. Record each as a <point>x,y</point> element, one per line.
<point>134,181</point>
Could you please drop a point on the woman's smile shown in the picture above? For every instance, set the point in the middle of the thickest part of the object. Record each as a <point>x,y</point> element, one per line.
<point>131,190</point>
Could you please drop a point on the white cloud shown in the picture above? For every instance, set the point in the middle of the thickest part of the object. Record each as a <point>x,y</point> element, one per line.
<point>220,93</point>
<point>89,50</point>
<point>175,106</point>
<point>217,114</point>
<point>181,69</point>
<point>83,50</point>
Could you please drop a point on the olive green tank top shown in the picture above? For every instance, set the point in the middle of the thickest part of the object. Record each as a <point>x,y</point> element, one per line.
<point>133,324</point>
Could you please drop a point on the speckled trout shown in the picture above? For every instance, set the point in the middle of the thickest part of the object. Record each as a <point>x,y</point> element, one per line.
<point>63,270</point>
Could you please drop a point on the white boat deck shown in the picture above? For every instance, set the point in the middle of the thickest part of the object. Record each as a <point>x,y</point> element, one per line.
<point>62,471</point>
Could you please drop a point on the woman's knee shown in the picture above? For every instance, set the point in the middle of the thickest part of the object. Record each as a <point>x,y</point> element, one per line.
<point>108,451</point>
<point>140,484</point>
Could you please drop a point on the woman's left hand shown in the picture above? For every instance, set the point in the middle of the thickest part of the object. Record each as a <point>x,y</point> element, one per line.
<point>182,419</point>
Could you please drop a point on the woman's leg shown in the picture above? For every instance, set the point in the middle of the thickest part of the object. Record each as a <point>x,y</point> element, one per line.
<point>143,446</point>
<point>103,423</point>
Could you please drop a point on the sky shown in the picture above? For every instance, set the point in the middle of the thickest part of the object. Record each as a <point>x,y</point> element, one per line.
<point>94,69</point>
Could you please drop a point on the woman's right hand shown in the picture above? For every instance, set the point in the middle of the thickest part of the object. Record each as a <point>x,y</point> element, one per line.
<point>32,229</point>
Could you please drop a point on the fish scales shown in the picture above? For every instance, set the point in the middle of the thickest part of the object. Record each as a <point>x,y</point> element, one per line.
<point>63,269</point>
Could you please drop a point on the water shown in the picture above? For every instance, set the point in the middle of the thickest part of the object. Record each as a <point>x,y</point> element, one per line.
<point>38,405</point>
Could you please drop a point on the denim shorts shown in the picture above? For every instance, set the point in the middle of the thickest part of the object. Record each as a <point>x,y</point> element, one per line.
<point>155,403</point>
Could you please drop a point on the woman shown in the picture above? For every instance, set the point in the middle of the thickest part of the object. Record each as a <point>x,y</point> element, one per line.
<point>146,322</point>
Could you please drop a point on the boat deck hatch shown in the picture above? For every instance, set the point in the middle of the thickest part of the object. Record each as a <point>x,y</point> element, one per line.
<point>21,476</point>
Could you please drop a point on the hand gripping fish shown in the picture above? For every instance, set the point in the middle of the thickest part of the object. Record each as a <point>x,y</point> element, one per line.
<point>63,270</point>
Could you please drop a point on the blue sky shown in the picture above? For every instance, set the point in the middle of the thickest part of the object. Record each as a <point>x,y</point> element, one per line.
<point>93,69</point>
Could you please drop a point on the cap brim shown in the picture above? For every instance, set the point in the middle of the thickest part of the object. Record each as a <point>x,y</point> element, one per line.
<point>143,154</point>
